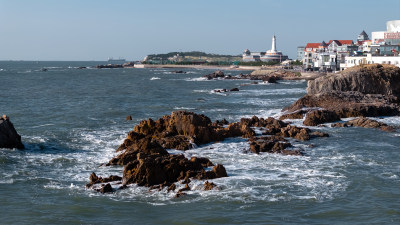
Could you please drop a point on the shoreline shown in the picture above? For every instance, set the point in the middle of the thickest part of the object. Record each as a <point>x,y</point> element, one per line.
<point>198,67</point>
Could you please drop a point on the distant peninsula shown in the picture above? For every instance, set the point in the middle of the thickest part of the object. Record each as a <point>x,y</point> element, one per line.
<point>193,57</point>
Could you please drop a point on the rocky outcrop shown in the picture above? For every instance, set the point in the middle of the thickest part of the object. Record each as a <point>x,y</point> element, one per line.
<point>109,66</point>
<point>366,79</point>
<point>270,76</point>
<point>147,163</point>
<point>316,117</point>
<point>271,144</point>
<point>148,170</point>
<point>369,90</point>
<point>366,123</point>
<point>9,138</point>
<point>215,75</point>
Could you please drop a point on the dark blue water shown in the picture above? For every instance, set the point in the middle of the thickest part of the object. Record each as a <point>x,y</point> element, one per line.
<point>72,120</point>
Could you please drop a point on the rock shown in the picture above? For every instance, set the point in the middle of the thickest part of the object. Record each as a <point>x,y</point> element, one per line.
<point>270,144</point>
<point>156,169</point>
<point>129,117</point>
<point>9,138</point>
<point>317,117</point>
<point>109,66</point>
<point>270,79</point>
<point>180,194</point>
<point>366,79</point>
<point>319,134</point>
<point>215,75</point>
<point>368,90</point>
<point>94,179</point>
<point>106,189</point>
<point>298,133</point>
<point>219,171</point>
<point>298,114</point>
<point>178,71</point>
<point>172,187</point>
<point>186,188</point>
<point>366,123</point>
<point>208,186</point>
<point>220,90</point>
<point>203,161</point>
<point>234,89</point>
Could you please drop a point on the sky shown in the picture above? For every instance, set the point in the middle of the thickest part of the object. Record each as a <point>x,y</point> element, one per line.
<point>98,29</point>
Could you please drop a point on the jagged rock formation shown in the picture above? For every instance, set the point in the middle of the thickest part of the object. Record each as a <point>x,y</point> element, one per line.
<point>9,138</point>
<point>147,163</point>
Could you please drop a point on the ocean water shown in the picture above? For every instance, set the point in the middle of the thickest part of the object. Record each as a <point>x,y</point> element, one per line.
<point>71,121</point>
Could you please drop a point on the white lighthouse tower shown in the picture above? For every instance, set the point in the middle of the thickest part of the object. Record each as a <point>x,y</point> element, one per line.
<point>273,48</point>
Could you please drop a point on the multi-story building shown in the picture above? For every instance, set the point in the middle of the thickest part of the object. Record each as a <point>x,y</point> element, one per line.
<point>384,48</point>
<point>300,53</point>
<point>327,56</point>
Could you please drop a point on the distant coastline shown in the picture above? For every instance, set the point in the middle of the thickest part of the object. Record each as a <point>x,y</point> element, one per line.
<point>216,67</point>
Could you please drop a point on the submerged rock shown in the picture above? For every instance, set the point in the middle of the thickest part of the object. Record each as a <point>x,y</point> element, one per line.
<point>9,138</point>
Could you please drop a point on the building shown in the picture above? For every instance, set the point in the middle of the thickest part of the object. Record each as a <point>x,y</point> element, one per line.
<point>362,37</point>
<point>300,53</point>
<point>383,48</point>
<point>327,56</point>
<point>369,59</point>
<point>272,55</point>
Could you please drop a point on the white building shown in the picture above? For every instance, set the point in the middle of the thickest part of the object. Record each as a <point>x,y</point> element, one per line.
<point>272,55</point>
<point>351,61</point>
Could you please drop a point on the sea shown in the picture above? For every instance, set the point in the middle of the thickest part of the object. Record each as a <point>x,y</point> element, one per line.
<point>72,121</point>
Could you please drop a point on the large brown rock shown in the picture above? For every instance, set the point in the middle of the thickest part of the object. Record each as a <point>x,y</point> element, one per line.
<point>158,169</point>
<point>369,90</point>
<point>9,138</point>
<point>366,79</point>
<point>366,123</point>
<point>317,117</point>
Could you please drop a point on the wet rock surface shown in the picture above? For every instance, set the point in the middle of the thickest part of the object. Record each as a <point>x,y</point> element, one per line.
<point>9,138</point>
<point>366,123</point>
<point>146,162</point>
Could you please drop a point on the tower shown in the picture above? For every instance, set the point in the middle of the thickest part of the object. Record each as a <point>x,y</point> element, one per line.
<point>273,48</point>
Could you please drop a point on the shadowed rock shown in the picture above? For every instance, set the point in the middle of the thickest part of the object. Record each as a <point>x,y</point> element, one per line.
<point>9,138</point>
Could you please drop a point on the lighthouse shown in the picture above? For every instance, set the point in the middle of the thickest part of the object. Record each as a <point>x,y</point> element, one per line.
<point>273,48</point>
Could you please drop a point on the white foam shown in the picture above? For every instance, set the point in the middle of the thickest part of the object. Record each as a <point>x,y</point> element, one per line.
<point>183,108</point>
<point>197,79</point>
<point>155,78</point>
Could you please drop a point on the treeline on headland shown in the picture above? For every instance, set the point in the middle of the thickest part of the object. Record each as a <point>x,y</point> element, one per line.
<point>192,53</point>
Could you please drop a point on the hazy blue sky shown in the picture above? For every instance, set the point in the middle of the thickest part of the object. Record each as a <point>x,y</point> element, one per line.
<point>98,29</point>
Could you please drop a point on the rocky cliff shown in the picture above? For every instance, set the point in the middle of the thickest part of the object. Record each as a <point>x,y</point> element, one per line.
<point>368,90</point>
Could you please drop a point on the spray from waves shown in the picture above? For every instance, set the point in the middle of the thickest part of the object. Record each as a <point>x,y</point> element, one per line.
<point>155,78</point>
<point>197,79</point>
<point>252,177</point>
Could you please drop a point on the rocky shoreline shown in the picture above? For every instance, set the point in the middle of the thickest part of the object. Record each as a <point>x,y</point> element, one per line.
<point>146,161</point>
<point>363,91</point>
